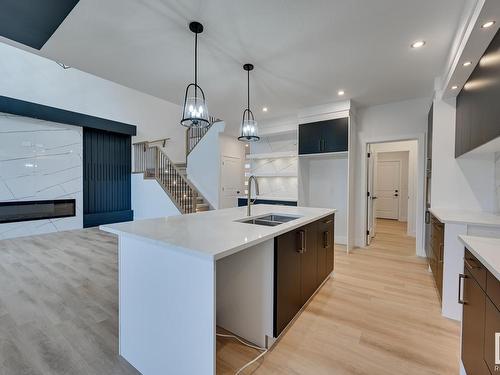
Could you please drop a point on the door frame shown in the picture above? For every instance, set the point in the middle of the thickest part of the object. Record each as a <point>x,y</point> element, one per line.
<point>419,196</point>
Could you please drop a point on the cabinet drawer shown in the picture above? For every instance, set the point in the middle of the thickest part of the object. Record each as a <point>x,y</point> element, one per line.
<point>493,289</point>
<point>477,270</point>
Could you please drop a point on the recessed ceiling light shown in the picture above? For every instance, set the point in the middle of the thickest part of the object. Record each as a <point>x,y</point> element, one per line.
<point>418,44</point>
<point>264,109</point>
<point>467,63</point>
<point>487,24</point>
<point>454,87</point>
<point>341,92</point>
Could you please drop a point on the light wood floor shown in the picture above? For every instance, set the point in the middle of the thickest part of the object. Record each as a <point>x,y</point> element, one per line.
<point>379,315</point>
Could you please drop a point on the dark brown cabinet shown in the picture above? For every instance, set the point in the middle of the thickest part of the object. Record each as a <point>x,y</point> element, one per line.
<point>325,232</point>
<point>303,259</point>
<point>481,318</point>
<point>478,112</point>
<point>436,253</point>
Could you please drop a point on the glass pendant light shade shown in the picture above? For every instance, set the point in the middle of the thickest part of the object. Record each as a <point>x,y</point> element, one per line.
<point>249,131</point>
<point>195,110</point>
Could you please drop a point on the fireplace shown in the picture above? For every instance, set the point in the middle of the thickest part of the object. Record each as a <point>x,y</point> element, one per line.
<point>11,212</point>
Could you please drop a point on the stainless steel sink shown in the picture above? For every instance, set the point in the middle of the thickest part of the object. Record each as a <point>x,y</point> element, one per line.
<point>267,223</point>
<point>270,220</point>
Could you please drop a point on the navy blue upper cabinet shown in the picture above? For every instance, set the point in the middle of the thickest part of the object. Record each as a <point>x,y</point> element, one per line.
<point>324,136</point>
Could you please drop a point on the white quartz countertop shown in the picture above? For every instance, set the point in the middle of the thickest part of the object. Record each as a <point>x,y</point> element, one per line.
<point>215,234</point>
<point>450,216</point>
<point>486,250</point>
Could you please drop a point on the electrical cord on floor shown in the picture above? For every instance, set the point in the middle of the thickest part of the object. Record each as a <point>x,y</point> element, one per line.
<point>263,350</point>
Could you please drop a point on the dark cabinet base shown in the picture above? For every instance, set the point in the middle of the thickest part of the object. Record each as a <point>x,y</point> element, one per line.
<point>303,259</point>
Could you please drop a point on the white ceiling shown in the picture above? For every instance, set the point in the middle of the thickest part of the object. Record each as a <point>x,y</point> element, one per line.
<point>303,51</point>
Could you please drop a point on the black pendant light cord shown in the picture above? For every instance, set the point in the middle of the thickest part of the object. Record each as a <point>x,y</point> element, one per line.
<point>195,66</point>
<point>248,92</point>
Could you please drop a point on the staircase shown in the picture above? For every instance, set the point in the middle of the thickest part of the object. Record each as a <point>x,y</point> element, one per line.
<point>155,164</point>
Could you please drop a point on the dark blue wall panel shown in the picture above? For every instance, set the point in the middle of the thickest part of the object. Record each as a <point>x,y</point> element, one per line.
<point>32,22</point>
<point>107,165</point>
<point>43,112</point>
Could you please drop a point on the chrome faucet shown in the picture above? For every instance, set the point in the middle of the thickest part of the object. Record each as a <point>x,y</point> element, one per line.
<point>249,202</point>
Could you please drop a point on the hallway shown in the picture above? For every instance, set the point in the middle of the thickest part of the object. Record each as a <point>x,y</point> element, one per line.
<point>379,315</point>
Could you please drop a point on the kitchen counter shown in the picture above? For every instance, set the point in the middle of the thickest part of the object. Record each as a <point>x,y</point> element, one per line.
<point>486,250</point>
<point>450,216</point>
<point>215,234</point>
<point>181,276</point>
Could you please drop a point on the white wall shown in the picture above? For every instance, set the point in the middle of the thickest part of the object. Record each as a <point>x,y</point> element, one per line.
<point>405,120</point>
<point>33,78</point>
<point>204,162</point>
<point>403,194</point>
<point>466,183</point>
<point>203,165</point>
<point>40,160</point>
<point>149,200</point>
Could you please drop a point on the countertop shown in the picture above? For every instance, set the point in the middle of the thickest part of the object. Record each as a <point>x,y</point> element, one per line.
<point>450,216</point>
<point>215,234</point>
<point>486,250</point>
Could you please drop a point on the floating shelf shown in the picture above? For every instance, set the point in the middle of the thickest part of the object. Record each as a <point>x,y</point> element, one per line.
<point>273,155</point>
<point>334,155</point>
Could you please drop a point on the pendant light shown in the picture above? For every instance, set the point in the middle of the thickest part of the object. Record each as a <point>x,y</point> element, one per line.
<point>248,131</point>
<point>194,111</point>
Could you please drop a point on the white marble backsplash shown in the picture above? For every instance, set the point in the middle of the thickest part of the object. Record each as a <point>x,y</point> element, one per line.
<point>497,179</point>
<point>277,176</point>
<point>40,160</point>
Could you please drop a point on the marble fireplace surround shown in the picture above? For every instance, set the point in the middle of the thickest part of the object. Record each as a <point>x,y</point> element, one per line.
<point>40,160</point>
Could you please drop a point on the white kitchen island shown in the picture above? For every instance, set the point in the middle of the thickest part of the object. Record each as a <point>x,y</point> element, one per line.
<point>179,276</point>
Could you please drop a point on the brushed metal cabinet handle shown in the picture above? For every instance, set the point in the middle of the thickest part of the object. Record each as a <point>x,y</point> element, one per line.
<point>461,299</point>
<point>325,239</point>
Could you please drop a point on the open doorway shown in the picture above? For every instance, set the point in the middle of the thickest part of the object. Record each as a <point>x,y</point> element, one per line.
<point>391,175</point>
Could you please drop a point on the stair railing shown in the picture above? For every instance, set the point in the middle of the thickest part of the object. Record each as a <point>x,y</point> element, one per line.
<point>154,163</point>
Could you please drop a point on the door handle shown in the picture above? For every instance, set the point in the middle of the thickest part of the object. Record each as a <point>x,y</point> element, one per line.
<point>461,299</point>
<point>374,198</point>
<point>427,217</point>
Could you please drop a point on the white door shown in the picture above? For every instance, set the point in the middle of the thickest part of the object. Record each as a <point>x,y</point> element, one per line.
<point>232,181</point>
<point>387,189</point>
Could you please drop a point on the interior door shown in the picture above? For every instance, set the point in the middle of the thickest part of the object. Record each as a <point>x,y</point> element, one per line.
<point>387,189</point>
<point>371,197</point>
<point>231,181</point>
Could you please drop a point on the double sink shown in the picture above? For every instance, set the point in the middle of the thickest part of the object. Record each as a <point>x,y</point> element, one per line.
<point>270,220</point>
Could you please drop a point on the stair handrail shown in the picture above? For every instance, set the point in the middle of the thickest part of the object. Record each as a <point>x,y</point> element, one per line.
<point>154,163</point>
